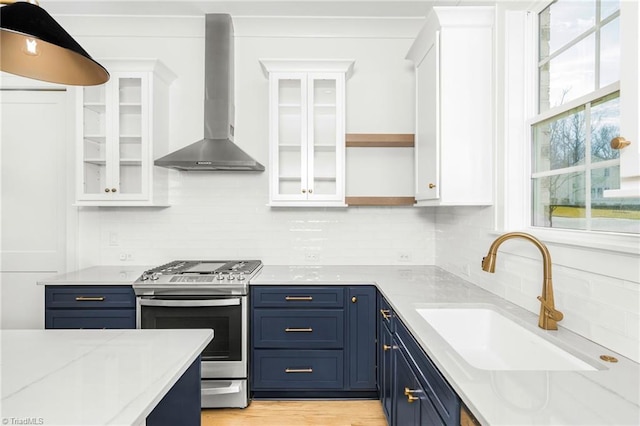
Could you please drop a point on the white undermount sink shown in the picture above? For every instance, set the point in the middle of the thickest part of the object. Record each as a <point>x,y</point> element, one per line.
<point>489,341</point>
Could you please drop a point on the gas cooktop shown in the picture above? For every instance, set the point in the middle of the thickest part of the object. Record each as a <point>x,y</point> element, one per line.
<point>205,277</point>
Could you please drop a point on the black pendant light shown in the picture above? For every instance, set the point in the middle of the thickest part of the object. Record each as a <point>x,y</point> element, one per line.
<point>34,45</point>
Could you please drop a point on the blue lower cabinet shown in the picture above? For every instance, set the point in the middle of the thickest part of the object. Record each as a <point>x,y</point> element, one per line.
<point>181,405</point>
<point>313,341</point>
<point>89,306</point>
<point>407,392</point>
<point>412,390</point>
<point>361,307</point>
<point>298,369</point>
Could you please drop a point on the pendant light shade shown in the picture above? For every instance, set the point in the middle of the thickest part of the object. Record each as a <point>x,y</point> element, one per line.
<point>34,45</point>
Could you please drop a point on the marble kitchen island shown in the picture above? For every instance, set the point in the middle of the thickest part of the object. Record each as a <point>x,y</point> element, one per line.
<point>101,377</point>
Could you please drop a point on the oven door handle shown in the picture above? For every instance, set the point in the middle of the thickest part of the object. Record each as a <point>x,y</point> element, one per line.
<point>189,303</point>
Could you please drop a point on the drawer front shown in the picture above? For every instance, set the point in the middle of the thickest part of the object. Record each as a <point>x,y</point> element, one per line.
<point>90,318</point>
<point>443,397</point>
<point>297,297</point>
<point>298,369</point>
<point>117,297</point>
<point>298,328</point>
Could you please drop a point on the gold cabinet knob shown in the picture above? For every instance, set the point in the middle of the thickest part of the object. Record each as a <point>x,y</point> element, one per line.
<point>432,185</point>
<point>107,190</point>
<point>113,190</point>
<point>619,142</point>
<point>354,299</point>
<point>311,191</point>
<point>304,191</point>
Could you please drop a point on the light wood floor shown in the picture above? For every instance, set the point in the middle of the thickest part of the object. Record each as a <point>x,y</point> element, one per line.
<point>298,413</point>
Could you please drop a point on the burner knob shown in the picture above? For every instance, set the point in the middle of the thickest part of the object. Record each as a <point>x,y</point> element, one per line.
<point>232,277</point>
<point>144,276</point>
<point>220,277</point>
<point>155,276</point>
<point>241,276</point>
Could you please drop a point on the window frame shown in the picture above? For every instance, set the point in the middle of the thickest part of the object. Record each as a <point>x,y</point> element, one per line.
<point>520,111</point>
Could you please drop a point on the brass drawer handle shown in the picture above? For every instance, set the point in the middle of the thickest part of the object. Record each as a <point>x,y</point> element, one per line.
<point>90,299</point>
<point>409,394</point>
<point>298,370</point>
<point>294,298</point>
<point>387,347</point>
<point>304,330</point>
<point>385,313</point>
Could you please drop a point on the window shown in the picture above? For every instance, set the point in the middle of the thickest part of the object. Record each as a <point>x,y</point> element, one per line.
<point>578,113</point>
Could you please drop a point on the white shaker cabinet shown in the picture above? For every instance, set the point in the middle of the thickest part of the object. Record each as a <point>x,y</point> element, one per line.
<point>453,57</point>
<point>121,126</point>
<point>307,132</point>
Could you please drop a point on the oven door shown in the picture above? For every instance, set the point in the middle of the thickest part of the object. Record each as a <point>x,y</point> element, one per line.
<point>225,356</point>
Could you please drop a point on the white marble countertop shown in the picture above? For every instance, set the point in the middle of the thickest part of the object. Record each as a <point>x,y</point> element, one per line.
<point>608,396</point>
<point>91,377</point>
<point>98,275</point>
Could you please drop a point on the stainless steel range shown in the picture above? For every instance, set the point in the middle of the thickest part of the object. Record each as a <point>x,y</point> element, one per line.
<point>205,294</point>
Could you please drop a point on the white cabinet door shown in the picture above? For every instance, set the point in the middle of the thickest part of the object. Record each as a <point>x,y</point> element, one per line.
<point>453,56</point>
<point>427,170</point>
<point>306,132</point>
<point>118,125</point>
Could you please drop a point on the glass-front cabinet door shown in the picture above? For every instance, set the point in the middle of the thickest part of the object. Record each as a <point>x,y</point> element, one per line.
<point>307,132</point>
<point>115,136</point>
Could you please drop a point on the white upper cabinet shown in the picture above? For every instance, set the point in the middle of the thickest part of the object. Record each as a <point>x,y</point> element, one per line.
<point>120,125</point>
<point>453,57</point>
<point>629,101</point>
<point>306,131</point>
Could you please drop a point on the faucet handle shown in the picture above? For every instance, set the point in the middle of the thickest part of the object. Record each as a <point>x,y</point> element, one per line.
<point>550,310</point>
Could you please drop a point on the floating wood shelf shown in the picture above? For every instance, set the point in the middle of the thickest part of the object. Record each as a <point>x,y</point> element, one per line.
<point>375,140</point>
<point>380,201</point>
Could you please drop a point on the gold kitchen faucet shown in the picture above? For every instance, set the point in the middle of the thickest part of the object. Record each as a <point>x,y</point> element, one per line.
<point>549,315</point>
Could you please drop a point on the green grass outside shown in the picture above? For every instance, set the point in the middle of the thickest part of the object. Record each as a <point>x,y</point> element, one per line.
<point>578,212</point>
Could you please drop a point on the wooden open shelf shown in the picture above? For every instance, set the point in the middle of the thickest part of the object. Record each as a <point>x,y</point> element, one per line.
<point>376,140</point>
<point>380,201</point>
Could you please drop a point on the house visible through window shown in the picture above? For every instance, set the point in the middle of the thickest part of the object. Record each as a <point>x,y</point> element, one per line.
<point>578,115</point>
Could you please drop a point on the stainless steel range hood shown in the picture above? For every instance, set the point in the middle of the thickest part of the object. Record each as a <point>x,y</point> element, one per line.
<point>217,150</point>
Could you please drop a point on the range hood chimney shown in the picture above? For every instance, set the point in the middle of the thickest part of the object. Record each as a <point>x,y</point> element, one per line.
<point>216,152</point>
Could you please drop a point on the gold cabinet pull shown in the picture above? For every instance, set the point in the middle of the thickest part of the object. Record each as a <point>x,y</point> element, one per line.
<point>432,185</point>
<point>107,190</point>
<point>304,191</point>
<point>113,190</point>
<point>409,394</point>
<point>298,370</point>
<point>90,299</point>
<point>619,143</point>
<point>387,347</point>
<point>298,330</point>
<point>385,313</point>
<point>354,299</point>
<point>299,298</point>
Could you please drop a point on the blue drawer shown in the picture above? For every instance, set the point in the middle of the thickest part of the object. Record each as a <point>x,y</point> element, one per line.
<point>89,318</point>
<point>275,369</point>
<point>116,297</point>
<point>442,396</point>
<point>297,297</point>
<point>298,328</point>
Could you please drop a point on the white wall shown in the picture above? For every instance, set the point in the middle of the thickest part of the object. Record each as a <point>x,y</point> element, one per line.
<point>224,215</point>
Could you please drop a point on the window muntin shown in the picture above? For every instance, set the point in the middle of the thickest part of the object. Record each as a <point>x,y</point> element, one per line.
<point>579,110</point>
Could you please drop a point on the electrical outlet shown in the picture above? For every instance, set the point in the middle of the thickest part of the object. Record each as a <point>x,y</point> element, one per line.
<point>126,257</point>
<point>311,257</point>
<point>404,257</point>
